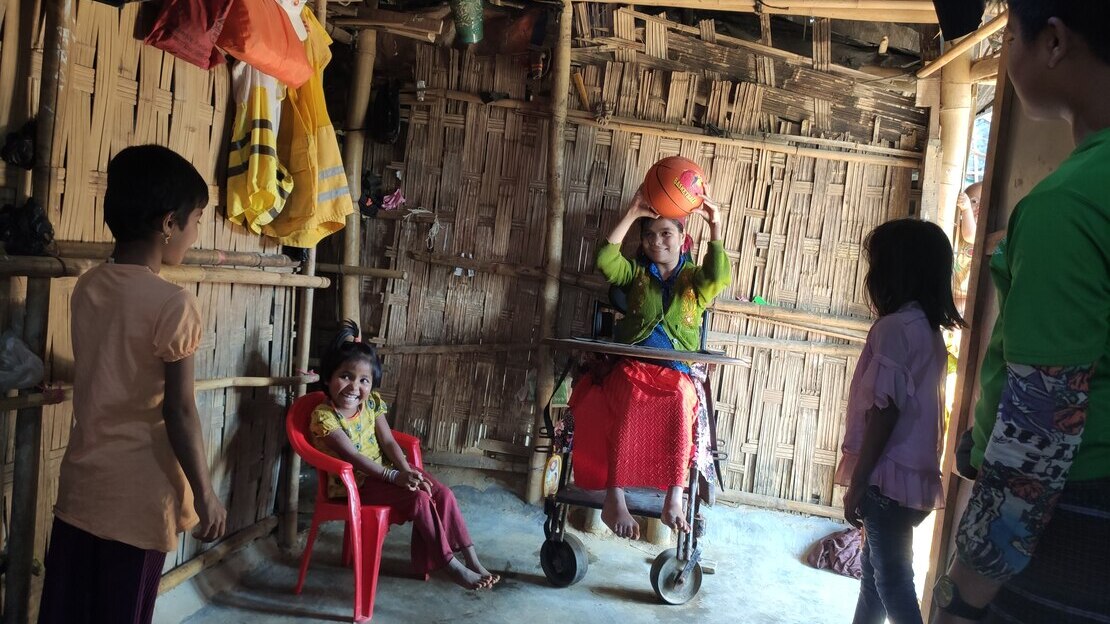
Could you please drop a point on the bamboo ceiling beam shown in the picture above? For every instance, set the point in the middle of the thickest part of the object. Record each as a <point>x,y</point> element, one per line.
<point>49,267</point>
<point>965,44</point>
<point>904,11</point>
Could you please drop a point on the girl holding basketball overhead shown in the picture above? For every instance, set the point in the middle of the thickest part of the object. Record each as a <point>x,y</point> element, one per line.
<point>643,423</point>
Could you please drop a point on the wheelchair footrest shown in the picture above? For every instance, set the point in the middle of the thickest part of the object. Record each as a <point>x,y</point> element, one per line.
<point>644,502</point>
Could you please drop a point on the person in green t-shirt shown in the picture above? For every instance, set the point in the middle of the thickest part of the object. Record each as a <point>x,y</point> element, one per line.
<point>1034,543</point>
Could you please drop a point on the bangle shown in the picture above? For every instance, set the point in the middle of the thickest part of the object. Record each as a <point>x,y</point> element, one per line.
<point>391,475</point>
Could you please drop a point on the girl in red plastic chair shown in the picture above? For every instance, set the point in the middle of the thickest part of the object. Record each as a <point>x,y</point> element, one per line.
<point>643,423</point>
<point>351,426</point>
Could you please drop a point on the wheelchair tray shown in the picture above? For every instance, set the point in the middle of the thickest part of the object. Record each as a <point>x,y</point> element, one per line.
<point>651,353</point>
<point>641,501</point>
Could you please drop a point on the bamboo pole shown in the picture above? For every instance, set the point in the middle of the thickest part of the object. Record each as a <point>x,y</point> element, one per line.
<point>553,263</point>
<point>214,555</point>
<point>1001,148</point>
<point>965,45</point>
<point>786,314</point>
<point>9,63</point>
<point>955,137</point>
<point>291,467</point>
<point>35,266</point>
<point>28,425</point>
<point>209,257</point>
<point>354,149</point>
<point>343,270</point>
<point>64,392</point>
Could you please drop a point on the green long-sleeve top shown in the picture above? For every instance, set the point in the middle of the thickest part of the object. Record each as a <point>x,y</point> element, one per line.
<point>694,289</point>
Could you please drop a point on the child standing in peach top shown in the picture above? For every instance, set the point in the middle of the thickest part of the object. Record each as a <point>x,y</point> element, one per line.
<point>135,472</point>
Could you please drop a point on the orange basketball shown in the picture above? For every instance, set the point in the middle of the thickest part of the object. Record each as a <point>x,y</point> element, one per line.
<point>674,187</point>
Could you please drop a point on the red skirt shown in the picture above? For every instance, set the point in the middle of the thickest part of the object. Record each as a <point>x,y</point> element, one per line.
<point>634,428</point>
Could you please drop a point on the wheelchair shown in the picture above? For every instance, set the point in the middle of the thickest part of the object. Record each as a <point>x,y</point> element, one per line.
<point>676,574</point>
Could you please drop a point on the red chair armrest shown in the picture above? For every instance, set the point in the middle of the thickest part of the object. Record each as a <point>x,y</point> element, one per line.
<point>411,446</point>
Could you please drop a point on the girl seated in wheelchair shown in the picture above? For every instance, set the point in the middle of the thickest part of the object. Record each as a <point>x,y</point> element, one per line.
<point>352,427</point>
<point>643,423</point>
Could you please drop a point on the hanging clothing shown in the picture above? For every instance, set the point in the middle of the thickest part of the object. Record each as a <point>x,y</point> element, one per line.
<point>322,199</point>
<point>257,183</point>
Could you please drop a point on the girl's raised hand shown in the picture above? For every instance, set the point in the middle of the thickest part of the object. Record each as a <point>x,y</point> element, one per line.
<point>639,207</point>
<point>710,210</point>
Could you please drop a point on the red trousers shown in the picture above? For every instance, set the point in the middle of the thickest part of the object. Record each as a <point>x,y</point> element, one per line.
<point>634,428</point>
<point>438,529</point>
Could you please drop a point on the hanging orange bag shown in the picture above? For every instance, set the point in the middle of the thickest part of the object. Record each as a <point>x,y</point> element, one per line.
<point>259,33</point>
<point>188,29</point>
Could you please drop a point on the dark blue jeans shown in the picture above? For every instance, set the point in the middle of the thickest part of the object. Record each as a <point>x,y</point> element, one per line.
<point>886,589</point>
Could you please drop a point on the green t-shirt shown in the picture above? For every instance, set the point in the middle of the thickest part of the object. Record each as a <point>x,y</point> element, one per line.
<point>1052,273</point>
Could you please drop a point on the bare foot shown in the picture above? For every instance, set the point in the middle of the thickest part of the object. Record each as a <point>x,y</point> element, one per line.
<point>489,579</point>
<point>674,515</point>
<point>614,513</point>
<point>463,576</point>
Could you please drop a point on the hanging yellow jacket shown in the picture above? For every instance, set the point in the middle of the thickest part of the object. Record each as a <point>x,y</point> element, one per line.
<point>257,184</point>
<point>321,200</point>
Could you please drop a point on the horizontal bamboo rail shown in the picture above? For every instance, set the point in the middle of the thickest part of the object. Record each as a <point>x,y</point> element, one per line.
<point>361,271</point>
<point>211,557</point>
<point>784,144</point>
<point>786,314</point>
<point>45,266</point>
<point>486,266</point>
<point>210,257</point>
<point>798,346</point>
<point>64,392</point>
<point>491,347</point>
<point>965,44</point>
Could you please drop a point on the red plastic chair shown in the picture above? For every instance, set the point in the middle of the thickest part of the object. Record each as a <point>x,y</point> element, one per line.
<point>363,545</point>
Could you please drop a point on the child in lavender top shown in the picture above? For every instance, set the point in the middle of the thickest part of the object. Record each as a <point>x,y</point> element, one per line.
<point>891,451</point>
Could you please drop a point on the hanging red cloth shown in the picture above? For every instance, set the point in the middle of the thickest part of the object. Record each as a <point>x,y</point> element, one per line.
<point>634,427</point>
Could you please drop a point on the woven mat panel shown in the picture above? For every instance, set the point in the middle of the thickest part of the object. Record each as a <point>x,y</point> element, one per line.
<point>806,158</point>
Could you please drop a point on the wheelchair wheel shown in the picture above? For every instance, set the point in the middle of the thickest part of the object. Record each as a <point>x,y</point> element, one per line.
<point>564,563</point>
<point>663,572</point>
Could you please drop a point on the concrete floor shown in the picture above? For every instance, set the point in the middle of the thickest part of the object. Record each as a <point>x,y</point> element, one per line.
<point>759,579</point>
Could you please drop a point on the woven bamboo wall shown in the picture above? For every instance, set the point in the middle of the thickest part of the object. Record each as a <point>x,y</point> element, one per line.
<point>814,156</point>
<point>118,93</point>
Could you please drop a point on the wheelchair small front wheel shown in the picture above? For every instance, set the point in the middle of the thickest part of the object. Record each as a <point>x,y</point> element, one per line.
<point>564,562</point>
<point>664,578</point>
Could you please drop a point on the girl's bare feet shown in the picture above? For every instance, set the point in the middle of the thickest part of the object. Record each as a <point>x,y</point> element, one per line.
<point>614,513</point>
<point>489,579</point>
<point>463,576</point>
<point>673,514</point>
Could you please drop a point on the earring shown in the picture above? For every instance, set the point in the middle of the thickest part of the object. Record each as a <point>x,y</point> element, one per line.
<point>165,239</point>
